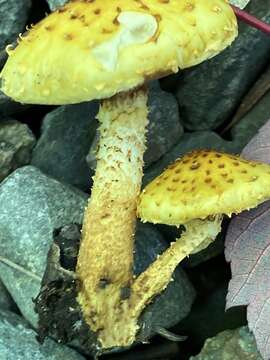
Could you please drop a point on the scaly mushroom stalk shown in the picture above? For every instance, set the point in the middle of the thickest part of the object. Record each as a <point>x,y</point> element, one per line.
<point>106,253</point>
<point>157,276</point>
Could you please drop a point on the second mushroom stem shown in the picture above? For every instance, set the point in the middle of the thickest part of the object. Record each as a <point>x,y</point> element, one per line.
<point>157,276</point>
<point>105,259</point>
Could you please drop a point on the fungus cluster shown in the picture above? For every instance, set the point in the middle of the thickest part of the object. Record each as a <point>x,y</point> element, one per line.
<point>103,49</point>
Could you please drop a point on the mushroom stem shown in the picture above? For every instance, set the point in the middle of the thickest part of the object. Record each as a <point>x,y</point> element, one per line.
<point>157,276</point>
<point>105,259</point>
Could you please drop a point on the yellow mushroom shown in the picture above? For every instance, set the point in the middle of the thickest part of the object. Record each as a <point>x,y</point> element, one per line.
<point>104,49</point>
<point>196,191</point>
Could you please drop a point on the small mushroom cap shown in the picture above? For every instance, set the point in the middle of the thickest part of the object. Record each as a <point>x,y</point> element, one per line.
<point>93,49</point>
<point>204,183</point>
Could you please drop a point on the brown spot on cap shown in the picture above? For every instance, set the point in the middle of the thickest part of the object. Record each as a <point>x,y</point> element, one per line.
<point>68,36</point>
<point>195,166</point>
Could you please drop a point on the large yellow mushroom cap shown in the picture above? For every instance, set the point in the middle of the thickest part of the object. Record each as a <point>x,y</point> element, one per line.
<point>204,183</point>
<point>91,49</point>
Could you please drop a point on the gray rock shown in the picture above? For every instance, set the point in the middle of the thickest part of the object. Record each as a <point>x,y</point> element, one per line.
<point>175,302</point>
<point>208,316</point>
<point>66,136</point>
<point>32,205</point>
<point>248,126</point>
<point>6,302</point>
<point>209,93</point>
<point>54,4</point>
<point>236,344</point>
<point>13,17</point>
<point>164,128</point>
<point>16,144</point>
<point>8,106</point>
<point>188,142</point>
<point>18,341</point>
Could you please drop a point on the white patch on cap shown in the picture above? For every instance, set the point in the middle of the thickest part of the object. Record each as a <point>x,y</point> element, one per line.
<point>136,28</point>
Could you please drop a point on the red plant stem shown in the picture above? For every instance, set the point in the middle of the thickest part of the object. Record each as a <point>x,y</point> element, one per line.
<point>251,20</point>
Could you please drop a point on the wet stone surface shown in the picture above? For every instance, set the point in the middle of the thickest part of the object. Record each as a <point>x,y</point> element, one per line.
<point>236,344</point>
<point>13,17</point>
<point>66,136</point>
<point>16,144</point>
<point>18,341</point>
<point>206,104</point>
<point>32,205</point>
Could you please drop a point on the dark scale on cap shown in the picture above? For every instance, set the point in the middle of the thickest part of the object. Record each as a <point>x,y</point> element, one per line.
<point>106,31</point>
<point>68,36</point>
<point>97,11</point>
<point>195,166</point>
<point>208,180</point>
<point>221,166</point>
<point>142,5</point>
<point>49,27</point>
<point>73,17</point>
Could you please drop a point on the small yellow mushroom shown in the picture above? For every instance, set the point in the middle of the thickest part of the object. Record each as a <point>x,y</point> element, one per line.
<point>196,191</point>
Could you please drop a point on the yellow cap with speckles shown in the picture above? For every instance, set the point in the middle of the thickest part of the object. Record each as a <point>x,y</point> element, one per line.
<point>93,49</point>
<point>204,183</point>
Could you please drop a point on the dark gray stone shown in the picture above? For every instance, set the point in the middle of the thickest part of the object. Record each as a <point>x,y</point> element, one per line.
<point>67,133</point>
<point>16,144</point>
<point>175,302</point>
<point>6,302</point>
<point>208,316</point>
<point>13,17</point>
<point>236,344</point>
<point>18,342</point>
<point>8,106</point>
<point>32,205</point>
<point>209,93</point>
<point>188,142</point>
<point>164,129</point>
<point>249,125</point>
<point>54,4</point>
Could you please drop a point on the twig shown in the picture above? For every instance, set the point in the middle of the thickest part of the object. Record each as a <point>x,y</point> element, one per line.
<point>19,268</point>
<point>251,20</point>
